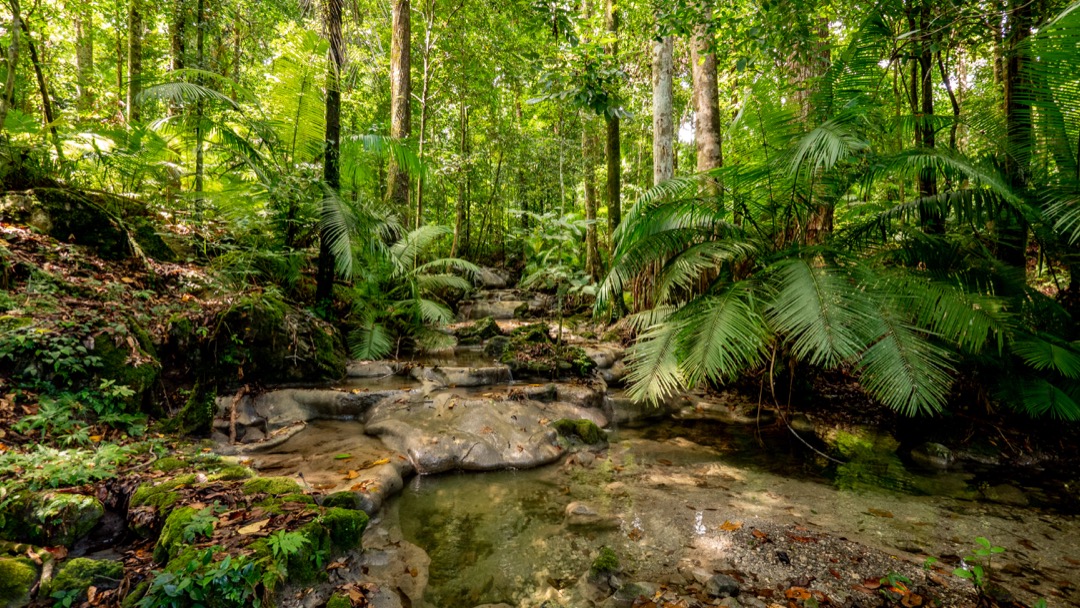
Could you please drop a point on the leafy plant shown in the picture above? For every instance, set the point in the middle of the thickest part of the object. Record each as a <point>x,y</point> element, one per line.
<point>232,581</point>
<point>201,524</point>
<point>399,300</point>
<point>975,567</point>
<point>48,467</point>
<point>283,543</point>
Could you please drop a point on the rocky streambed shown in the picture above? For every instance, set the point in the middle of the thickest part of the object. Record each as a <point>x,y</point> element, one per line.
<point>489,483</point>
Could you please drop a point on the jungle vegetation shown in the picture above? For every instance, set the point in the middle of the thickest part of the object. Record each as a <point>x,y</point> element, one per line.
<point>888,187</point>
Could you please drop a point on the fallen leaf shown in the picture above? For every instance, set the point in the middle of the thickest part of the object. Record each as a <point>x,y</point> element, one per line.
<point>96,438</point>
<point>759,534</point>
<point>835,574</point>
<point>912,600</point>
<point>797,593</point>
<point>731,526</point>
<point>879,513</point>
<point>352,475</point>
<point>872,583</point>
<point>58,553</point>
<point>254,528</point>
<point>343,457</point>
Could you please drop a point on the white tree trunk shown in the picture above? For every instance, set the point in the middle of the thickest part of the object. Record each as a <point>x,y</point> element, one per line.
<point>663,66</point>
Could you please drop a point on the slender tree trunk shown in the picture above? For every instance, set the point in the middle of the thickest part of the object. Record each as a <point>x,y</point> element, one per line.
<point>1012,229</point>
<point>613,150</point>
<point>134,59</point>
<point>120,55</point>
<point>706,103</point>
<point>200,59</point>
<point>592,241</point>
<point>400,101</point>
<point>932,218</point>
<point>84,54</point>
<point>46,101</point>
<point>461,216</point>
<point>663,67</point>
<point>177,30</point>
<point>952,101</point>
<point>12,62</point>
<point>324,284</point>
<point>425,92</point>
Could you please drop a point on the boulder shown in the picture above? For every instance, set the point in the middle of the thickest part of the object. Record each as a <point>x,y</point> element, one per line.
<point>50,518</point>
<point>628,594</point>
<point>79,574</point>
<point>18,575</point>
<point>932,456</point>
<point>722,585</point>
<point>479,331</point>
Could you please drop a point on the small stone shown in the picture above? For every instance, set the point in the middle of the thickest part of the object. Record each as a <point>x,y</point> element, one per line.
<point>628,593</point>
<point>700,576</point>
<point>730,602</point>
<point>722,585</point>
<point>253,435</point>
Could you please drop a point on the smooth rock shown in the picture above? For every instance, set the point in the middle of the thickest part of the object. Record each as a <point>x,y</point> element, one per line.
<point>721,585</point>
<point>625,596</point>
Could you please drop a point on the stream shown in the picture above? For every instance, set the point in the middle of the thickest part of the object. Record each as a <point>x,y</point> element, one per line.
<point>679,494</point>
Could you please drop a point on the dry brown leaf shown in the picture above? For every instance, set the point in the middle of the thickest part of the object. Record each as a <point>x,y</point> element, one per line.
<point>352,475</point>
<point>759,534</point>
<point>797,593</point>
<point>912,600</point>
<point>731,526</point>
<point>254,528</point>
<point>879,513</point>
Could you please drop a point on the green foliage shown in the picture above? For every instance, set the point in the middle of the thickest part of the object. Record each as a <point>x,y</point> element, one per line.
<point>399,299</point>
<point>283,544</point>
<point>202,581</point>
<point>47,467</point>
<point>606,562</point>
<point>977,565</point>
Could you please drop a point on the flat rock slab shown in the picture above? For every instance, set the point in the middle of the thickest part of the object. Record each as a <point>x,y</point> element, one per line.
<point>277,409</point>
<point>449,431</point>
<point>337,456</point>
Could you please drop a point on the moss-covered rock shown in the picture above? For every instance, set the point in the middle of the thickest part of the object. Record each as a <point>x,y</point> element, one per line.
<point>232,473</point>
<point>346,527</point>
<point>339,600</point>
<point>132,599</point>
<point>478,332</point>
<point>582,430</point>
<point>168,464</point>
<point>128,361</point>
<point>342,500</point>
<point>530,351</point>
<point>304,566</point>
<point>17,577</point>
<point>606,562</point>
<point>50,518</point>
<point>196,416</point>
<point>263,339</point>
<point>80,573</point>
<point>161,495</point>
<point>68,215</point>
<point>171,540</point>
<point>274,486</point>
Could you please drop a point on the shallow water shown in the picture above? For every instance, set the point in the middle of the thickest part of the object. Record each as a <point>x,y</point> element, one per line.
<point>502,537</point>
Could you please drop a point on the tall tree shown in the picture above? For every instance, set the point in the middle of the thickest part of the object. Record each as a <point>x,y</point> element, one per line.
<point>1012,229</point>
<point>663,68</point>
<point>134,59</point>
<point>324,288</point>
<point>613,150</point>
<point>200,59</point>
<point>84,54</point>
<point>706,96</point>
<point>12,60</point>
<point>400,100</point>
<point>46,100</point>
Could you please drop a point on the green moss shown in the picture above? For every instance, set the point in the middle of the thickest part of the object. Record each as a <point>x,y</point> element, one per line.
<point>341,500</point>
<point>606,562</point>
<point>584,430</point>
<point>232,473</point>
<point>163,495</point>
<point>116,363</point>
<point>171,540</point>
<point>306,565</point>
<point>169,464</point>
<point>80,573</point>
<point>535,333</point>
<point>860,441</point>
<point>17,577</point>
<point>346,527</point>
<point>132,599</point>
<point>197,414</point>
<point>50,518</point>
<point>478,332</point>
<point>529,350</point>
<point>274,486</point>
<point>339,600</point>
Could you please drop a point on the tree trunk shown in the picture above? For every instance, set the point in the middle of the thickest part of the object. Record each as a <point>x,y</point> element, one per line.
<point>613,150</point>
<point>400,101</point>
<point>200,59</point>
<point>12,62</point>
<point>425,92</point>
<point>177,29</point>
<point>134,59</point>
<point>592,241</point>
<point>663,67</point>
<point>1012,229</point>
<point>84,55</point>
<point>461,216</point>
<point>324,284</point>
<point>932,218</point>
<point>46,102</point>
<point>706,104</point>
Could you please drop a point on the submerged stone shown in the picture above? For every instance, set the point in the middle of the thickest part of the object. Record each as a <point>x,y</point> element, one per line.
<point>582,430</point>
<point>932,456</point>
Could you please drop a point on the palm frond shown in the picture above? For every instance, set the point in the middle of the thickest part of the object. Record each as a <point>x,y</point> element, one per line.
<point>722,335</point>
<point>904,370</point>
<point>1042,352</point>
<point>653,364</point>
<point>370,342</point>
